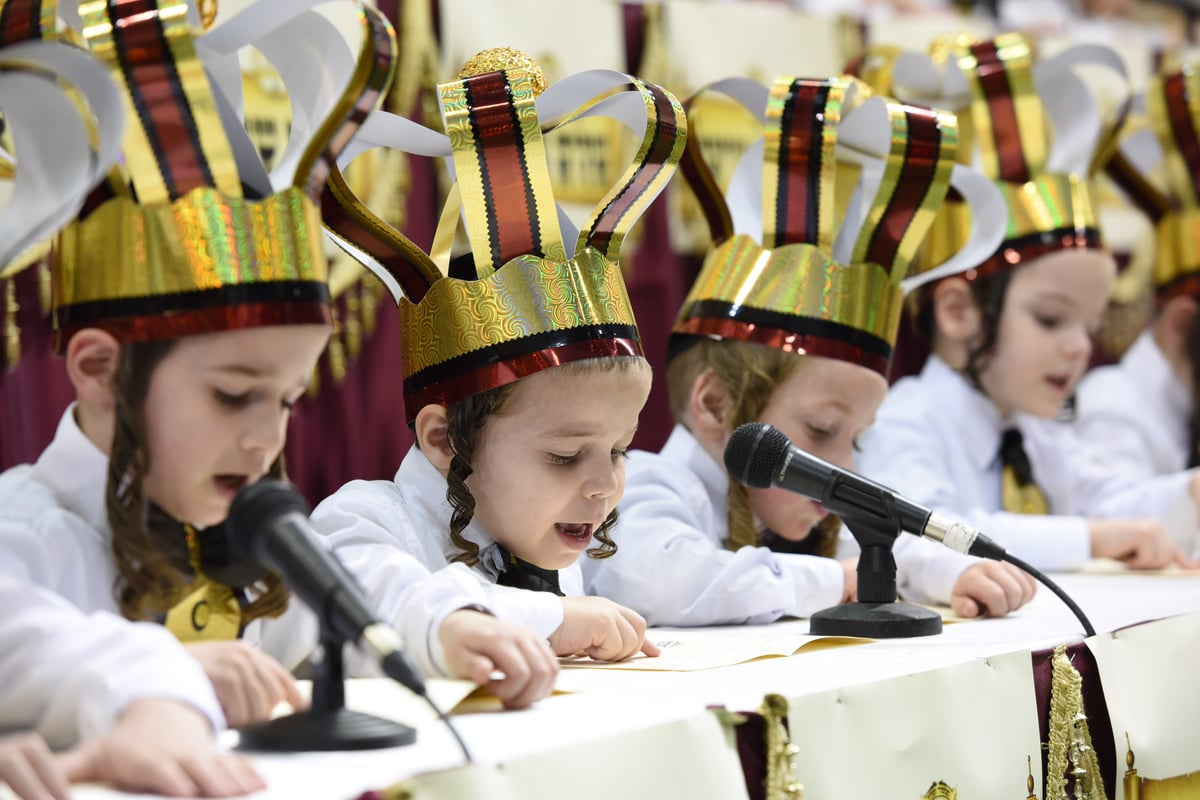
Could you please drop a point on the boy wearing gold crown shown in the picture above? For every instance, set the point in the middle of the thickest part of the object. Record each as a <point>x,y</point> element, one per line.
<point>523,369</point>
<point>975,435</point>
<point>151,730</point>
<point>797,332</point>
<point>1139,416</point>
<point>188,347</point>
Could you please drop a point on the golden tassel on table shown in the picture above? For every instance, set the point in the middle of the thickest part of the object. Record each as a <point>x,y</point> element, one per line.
<point>782,782</point>
<point>12,331</point>
<point>1070,739</point>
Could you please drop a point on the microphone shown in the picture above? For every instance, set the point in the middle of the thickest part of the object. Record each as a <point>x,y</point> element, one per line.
<point>268,525</point>
<point>761,457</point>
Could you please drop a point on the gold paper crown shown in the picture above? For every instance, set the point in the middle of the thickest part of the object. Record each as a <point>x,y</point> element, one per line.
<point>1173,108</point>
<point>525,303</point>
<point>1007,131</point>
<point>789,291</point>
<point>175,247</point>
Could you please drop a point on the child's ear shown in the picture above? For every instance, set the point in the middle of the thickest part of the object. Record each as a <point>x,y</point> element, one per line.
<point>955,314</point>
<point>708,408</point>
<point>92,359</point>
<point>432,430</point>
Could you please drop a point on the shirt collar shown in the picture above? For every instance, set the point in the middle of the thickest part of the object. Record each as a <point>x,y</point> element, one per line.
<point>77,471</point>
<point>979,425</point>
<point>423,488</point>
<point>684,449</point>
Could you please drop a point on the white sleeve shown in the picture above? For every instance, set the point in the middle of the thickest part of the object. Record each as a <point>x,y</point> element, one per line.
<point>670,570</point>
<point>372,535</point>
<point>1105,433</point>
<point>69,675</point>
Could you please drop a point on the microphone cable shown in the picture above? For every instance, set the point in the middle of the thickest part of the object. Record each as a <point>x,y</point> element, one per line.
<point>445,718</point>
<point>1054,587</point>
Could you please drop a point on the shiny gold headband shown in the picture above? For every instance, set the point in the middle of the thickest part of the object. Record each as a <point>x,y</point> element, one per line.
<point>790,291</point>
<point>524,302</point>
<point>185,252</point>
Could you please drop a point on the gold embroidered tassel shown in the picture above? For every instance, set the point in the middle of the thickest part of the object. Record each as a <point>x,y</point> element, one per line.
<point>1070,739</point>
<point>782,782</point>
<point>12,331</point>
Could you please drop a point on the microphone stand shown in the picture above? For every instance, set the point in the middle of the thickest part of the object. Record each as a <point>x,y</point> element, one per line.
<point>877,614</point>
<point>327,724</point>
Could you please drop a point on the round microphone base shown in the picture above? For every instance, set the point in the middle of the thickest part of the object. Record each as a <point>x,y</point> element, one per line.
<point>876,621</point>
<point>339,729</point>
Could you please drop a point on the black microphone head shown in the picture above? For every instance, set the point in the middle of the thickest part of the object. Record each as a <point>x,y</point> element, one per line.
<point>753,454</point>
<point>252,512</point>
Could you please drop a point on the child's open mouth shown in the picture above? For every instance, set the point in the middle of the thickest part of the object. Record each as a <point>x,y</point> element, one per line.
<point>576,534</point>
<point>231,483</point>
<point>1059,382</point>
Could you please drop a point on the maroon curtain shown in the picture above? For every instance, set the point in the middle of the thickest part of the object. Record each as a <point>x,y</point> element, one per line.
<point>33,395</point>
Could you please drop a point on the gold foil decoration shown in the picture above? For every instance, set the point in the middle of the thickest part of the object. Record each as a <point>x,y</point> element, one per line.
<point>940,790</point>
<point>1070,742</point>
<point>208,12</point>
<point>782,782</point>
<point>498,59</point>
<point>530,295</point>
<point>203,240</point>
<point>800,280</point>
<point>1181,787</point>
<point>1018,499</point>
<point>207,611</point>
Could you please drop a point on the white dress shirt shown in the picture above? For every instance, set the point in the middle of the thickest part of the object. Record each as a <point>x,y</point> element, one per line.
<point>936,440</point>
<point>366,520</point>
<point>54,533</point>
<point>69,675</point>
<point>1134,414</point>
<point>672,565</point>
<point>1133,417</point>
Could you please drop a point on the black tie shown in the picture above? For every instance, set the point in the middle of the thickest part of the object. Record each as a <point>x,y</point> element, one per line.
<point>1018,491</point>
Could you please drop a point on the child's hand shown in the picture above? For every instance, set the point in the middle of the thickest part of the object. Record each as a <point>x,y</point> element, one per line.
<point>476,645</point>
<point>991,588</point>
<point>248,682</point>
<point>1140,543</point>
<point>29,768</point>
<point>161,746</point>
<point>602,629</point>
<point>850,574</point>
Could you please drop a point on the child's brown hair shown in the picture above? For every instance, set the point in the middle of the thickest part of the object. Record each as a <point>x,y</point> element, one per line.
<point>750,374</point>
<point>148,582</point>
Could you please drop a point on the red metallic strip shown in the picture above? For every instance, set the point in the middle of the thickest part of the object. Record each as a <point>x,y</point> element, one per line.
<point>788,341</point>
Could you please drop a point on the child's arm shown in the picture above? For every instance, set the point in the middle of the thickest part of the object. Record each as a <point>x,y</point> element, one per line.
<point>672,567</point>
<point>477,645</point>
<point>69,675</point>
<point>161,746</point>
<point>599,628</point>
<point>249,682</point>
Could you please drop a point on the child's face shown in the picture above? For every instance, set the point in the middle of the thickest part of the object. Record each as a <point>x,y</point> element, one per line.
<point>216,414</point>
<point>823,407</point>
<point>1044,339</point>
<point>550,467</point>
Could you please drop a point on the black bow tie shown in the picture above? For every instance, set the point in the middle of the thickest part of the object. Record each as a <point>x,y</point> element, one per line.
<point>523,575</point>
<point>216,559</point>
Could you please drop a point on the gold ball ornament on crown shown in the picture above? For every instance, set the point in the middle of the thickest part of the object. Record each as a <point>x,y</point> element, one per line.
<point>496,59</point>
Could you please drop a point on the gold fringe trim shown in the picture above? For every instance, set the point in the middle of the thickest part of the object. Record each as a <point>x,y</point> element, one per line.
<point>782,781</point>
<point>12,331</point>
<point>1070,738</point>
